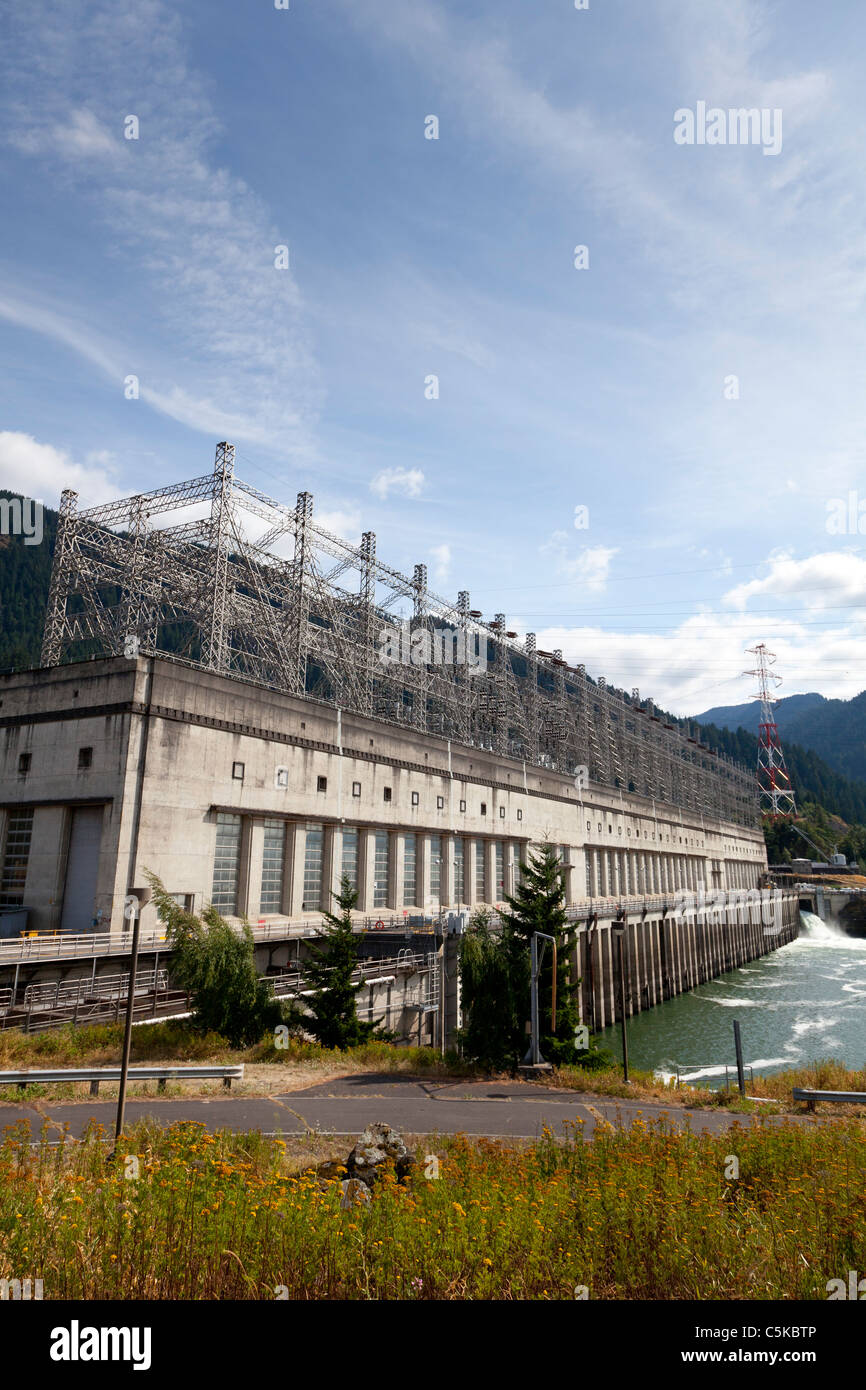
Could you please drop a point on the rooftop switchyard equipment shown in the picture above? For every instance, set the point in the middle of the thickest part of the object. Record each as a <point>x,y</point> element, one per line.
<point>175,573</point>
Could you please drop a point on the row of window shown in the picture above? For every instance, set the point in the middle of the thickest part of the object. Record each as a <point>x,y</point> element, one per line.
<point>25,761</point>
<point>19,833</point>
<point>282,781</point>
<point>619,873</point>
<point>414,893</point>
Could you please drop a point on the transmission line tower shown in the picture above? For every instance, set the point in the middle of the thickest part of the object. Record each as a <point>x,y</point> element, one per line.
<point>774,784</point>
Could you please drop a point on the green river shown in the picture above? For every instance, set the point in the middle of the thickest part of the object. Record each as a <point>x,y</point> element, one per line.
<point>804,1002</point>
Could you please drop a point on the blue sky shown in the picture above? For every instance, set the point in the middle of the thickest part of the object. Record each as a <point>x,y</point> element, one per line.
<point>606,387</point>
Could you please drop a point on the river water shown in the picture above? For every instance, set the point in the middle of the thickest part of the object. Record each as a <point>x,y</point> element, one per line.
<point>802,1003</point>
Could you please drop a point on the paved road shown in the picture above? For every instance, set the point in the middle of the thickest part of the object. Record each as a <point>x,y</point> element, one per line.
<point>346,1105</point>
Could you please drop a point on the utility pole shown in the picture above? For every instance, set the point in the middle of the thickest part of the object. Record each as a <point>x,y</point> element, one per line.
<point>619,927</point>
<point>138,898</point>
<point>533,1057</point>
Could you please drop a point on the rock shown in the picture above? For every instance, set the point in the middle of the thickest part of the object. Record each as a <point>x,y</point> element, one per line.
<point>378,1146</point>
<point>355,1193</point>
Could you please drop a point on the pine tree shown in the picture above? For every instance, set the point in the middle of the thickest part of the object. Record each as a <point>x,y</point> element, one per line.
<point>333,1019</point>
<point>539,906</point>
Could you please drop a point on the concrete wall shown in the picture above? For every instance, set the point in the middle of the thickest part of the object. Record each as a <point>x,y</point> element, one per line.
<point>173,748</point>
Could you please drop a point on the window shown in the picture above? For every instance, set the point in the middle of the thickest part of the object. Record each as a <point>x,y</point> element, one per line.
<point>484,808</point>
<point>463,806</point>
<point>18,836</point>
<point>238,772</point>
<point>480,876</point>
<point>415,798</point>
<point>273,863</point>
<point>85,758</point>
<point>502,813</point>
<point>23,764</point>
<point>226,863</point>
<point>387,791</point>
<point>410,870</point>
<point>459,877</point>
<point>519,815</point>
<point>435,867</point>
<point>381,868</point>
<point>440,803</point>
<point>500,871</point>
<point>313,852</point>
<point>356,788</point>
<point>321,784</point>
<point>282,778</point>
<point>349,863</point>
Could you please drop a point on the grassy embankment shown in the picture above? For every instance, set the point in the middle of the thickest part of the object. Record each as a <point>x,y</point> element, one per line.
<point>642,1213</point>
<point>270,1070</point>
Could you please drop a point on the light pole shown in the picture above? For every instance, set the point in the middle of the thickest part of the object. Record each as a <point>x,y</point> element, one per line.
<point>533,1056</point>
<point>137,899</point>
<point>619,927</point>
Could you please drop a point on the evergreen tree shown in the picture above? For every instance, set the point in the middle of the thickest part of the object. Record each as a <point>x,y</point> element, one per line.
<point>333,1019</point>
<point>494,978</point>
<point>216,965</point>
<point>539,906</point>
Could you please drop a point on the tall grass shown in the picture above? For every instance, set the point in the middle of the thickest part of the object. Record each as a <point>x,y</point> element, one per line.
<point>643,1213</point>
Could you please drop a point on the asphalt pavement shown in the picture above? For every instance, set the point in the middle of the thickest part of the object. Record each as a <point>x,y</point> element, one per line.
<point>347,1105</point>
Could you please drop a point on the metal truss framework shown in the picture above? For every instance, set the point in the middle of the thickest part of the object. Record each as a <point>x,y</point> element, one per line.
<point>333,623</point>
<point>774,783</point>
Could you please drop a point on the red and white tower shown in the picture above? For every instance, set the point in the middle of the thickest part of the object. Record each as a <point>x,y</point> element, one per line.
<point>774,784</point>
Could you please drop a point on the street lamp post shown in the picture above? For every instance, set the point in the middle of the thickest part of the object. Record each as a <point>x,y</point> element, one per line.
<point>533,1056</point>
<point>136,900</point>
<point>619,927</point>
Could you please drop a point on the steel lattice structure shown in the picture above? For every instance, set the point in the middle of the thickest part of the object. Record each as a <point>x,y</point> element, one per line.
<point>312,625</point>
<point>774,784</point>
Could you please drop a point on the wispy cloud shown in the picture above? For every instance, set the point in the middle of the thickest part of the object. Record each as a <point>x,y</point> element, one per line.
<point>588,566</point>
<point>226,349</point>
<point>407,482</point>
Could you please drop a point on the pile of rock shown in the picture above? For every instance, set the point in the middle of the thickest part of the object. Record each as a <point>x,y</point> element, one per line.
<point>379,1147</point>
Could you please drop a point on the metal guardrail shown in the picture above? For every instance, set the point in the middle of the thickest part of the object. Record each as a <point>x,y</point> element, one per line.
<point>834,1097</point>
<point>96,1075</point>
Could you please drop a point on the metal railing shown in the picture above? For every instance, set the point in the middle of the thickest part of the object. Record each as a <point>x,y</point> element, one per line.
<point>67,993</point>
<point>692,1073</point>
<point>68,946</point>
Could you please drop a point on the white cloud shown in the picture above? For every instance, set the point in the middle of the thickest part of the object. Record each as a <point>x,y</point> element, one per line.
<point>442,557</point>
<point>78,134</point>
<point>41,471</point>
<point>407,481</point>
<point>825,581</point>
<point>589,566</point>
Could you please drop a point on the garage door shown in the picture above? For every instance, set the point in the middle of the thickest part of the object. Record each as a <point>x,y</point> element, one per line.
<point>82,867</point>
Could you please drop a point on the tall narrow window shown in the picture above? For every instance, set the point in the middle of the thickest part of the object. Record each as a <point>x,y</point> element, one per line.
<point>480,875</point>
<point>18,837</point>
<point>273,864</point>
<point>349,866</point>
<point>382,865</point>
<point>459,878</point>
<point>313,850</point>
<point>435,867</point>
<point>500,871</point>
<point>226,864</point>
<point>410,870</point>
